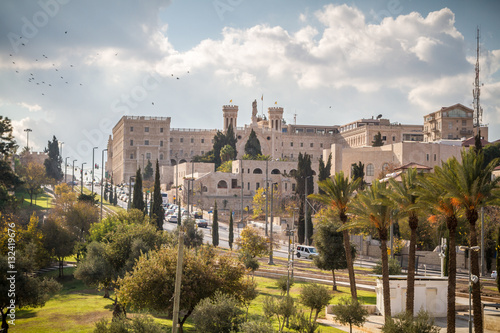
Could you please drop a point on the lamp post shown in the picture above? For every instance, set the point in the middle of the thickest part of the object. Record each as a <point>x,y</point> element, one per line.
<point>271,262</point>
<point>129,191</point>
<point>293,239</point>
<point>28,130</point>
<point>65,168</point>
<point>267,191</point>
<point>81,178</point>
<point>472,279</point>
<point>61,149</point>
<point>92,186</point>
<point>102,175</point>
<point>73,175</point>
<point>290,233</point>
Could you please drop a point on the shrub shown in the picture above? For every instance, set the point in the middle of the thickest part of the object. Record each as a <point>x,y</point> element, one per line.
<point>282,283</point>
<point>282,308</point>
<point>350,311</point>
<point>404,322</point>
<point>135,325</point>
<point>394,267</point>
<point>219,314</point>
<point>259,326</point>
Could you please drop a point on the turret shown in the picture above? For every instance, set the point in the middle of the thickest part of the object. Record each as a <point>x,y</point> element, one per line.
<point>275,118</point>
<point>230,114</point>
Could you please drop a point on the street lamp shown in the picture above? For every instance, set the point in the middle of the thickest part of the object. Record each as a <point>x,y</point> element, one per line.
<point>271,262</point>
<point>92,180</point>
<point>28,130</point>
<point>129,191</point>
<point>102,176</point>
<point>472,279</point>
<point>81,180</point>
<point>73,176</point>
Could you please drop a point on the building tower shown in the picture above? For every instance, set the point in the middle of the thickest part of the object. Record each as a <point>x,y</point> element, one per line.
<point>230,114</point>
<point>275,118</point>
<point>476,93</point>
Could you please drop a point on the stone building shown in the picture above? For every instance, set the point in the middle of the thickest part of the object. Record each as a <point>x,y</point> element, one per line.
<point>453,123</point>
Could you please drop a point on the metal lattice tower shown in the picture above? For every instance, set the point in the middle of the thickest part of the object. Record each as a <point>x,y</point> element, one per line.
<point>476,92</point>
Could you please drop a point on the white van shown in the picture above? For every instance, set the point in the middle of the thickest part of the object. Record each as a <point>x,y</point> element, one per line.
<point>307,252</point>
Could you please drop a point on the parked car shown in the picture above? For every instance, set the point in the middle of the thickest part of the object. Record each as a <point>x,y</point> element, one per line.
<point>201,223</point>
<point>307,252</point>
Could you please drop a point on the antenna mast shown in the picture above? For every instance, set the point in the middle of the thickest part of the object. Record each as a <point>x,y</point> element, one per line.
<point>476,92</point>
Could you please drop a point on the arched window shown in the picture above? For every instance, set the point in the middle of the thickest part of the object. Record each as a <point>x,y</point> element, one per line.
<point>293,172</point>
<point>222,184</point>
<point>204,189</point>
<point>182,161</point>
<point>173,162</point>
<point>370,170</point>
<point>275,172</point>
<point>257,171</point>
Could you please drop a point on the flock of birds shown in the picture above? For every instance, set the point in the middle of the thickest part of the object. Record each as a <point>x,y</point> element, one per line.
<point>46,80</point>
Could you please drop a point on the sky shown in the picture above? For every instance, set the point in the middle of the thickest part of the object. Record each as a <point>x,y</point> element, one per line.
<point>73,68</point>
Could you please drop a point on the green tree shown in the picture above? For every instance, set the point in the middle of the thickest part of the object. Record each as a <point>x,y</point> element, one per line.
<point>226,166</point>
<point>281,307</point>
<point>138,197</point>
<point>377,142</point>
<point>315,297</point>
<point>405,200</point>
<point>33,177</point>
<point>219,314</point>
<point>433,197</point>
<point>227,153</point>
<point>372,209</point>
<point>157,211</point>
<point>111,195</point>
<point>215,227</point>
<point>106,190</point>
<point>471,186</point>
<point>30,291</point>
<point>350,312</point>
<point>329,243</point>
<point>138,324</point>
<point>231,231</point>
<point>339,191</point>
<point>151,284</point>
<point>324,170</point>
<point>405,322</point>
<point>88,198</point>
<point>148,171</point>
<point>8,145</point>
<point>394,268</point>
<point>304,174</point>
<point>252,146</point>
<point>115,198</point>
<point>358,171</point>
<point>58,240</point>
<point>53,161</point>
<point>79,217</point>
<point>193,237</point>
<point>252,242</point>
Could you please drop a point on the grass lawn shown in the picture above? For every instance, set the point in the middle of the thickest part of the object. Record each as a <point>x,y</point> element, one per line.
<point>76,307</point>
<point>41,201</point>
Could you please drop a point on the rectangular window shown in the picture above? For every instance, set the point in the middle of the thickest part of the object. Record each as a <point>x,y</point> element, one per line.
<point>202,140</point>
<point>257,185</point>
<point>427,157</point>
<point>202,152</point>
<point>148,156</point>
<point>171,139</point>
<point>384,138</point>
<point>131,142</point>
<point>181,152</point>
<point>302,144</point>
<point>181,140</point>
<point>161,129</point>
<point>311,145</point>
<point>464,122</point>
<point>434,157</point>
<point>291,144</point>
<point>234,183</point>
<point>286,187</point>
<point>131,156</point>
<point>321,145</point>
<point>146,142</point>
<point>161,157</point>
<point>161,143</point>
<point>393,138</point>
<point>146,129</point>
<point>192,140</point>
<point>131,128</point>
<point>248,186</point>
<point>293,187</point>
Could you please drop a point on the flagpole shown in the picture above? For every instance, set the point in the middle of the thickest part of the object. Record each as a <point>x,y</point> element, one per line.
<point>262,107</point>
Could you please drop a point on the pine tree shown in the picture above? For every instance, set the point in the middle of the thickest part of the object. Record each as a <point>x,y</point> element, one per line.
<point>231,231</point>
<point>377,142</point>
<point>215,227</point>
<point>148,171</point>
<point>53,161</point>
<point>157,206</point>
<point>138,197</point>
<point>252,147</point>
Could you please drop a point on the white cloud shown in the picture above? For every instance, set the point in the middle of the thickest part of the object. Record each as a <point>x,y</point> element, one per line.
<point>31,108</point>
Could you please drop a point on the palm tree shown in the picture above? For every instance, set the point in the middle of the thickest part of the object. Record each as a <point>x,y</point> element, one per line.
<point>372,209</point>
<point>338,192</point>
<point>403,195</point>
<point>432,196</point>
<point>471,188</point>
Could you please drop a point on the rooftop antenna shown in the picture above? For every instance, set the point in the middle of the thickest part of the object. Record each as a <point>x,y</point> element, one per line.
<point>476,92</point>
<point>295,119</point>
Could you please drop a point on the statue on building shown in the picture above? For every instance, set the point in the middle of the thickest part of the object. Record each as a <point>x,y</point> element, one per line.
<point>254,111</point>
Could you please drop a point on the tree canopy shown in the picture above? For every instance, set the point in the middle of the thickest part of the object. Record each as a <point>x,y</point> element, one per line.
<point>53,161</point>
<point>252,146</point>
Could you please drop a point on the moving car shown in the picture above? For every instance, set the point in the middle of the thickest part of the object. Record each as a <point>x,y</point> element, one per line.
<point>307,252</point>
<point>172,218</point>
<point>201,223</point>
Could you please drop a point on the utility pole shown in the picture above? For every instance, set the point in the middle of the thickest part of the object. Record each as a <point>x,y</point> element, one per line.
<point>81,180</point>
<point>271,262</point>
<point>102,176</point>
<point>267,192</point>
<point>178,280</point>
<point>92,180</point>
<point>73,176</point>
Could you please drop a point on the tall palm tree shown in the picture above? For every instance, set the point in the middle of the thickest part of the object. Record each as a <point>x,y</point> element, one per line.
<point>372,209</point>
<point>433,197</point>
<point>338,192</point>
<point>404,197</point>
<point>471,187</point>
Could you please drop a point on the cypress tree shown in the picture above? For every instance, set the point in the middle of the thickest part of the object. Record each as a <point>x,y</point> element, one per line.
<point>377,142</point>
<point>157,206</point>
<point>252,147</point>
<point>304,172</point>
<point>138,197</point>
<point>115,198</point>
<point>231,231</point>
<point>106,191</point>
<point>111,196</point>
<point>215,227</point>
<point>324,170</point>
<point>53,162</point>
